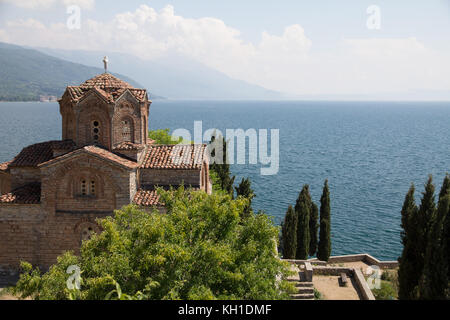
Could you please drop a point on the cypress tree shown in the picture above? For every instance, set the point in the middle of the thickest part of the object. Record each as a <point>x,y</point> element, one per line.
<point>223,169</point>
<point>244,190</point>
<point>313,228</point>
<point>408,272</point>
<point>434,281</point>
<point>445,191</point>
<point>289,234</point>
<point>303,211</point>
<point>426,213</point>
<point>324,249</point>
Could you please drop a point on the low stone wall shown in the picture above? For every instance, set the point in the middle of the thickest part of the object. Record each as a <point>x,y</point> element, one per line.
<point>363,287</point>
<point>364,257</point>
<point>332,271</point>
<point>313,262</point>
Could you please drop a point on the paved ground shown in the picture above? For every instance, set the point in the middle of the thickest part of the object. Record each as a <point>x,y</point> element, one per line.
<point>329,287</point>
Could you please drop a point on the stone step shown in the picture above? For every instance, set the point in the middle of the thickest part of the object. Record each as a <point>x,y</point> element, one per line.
<point>302,296</point>
<point>306,290</point>
<point>293,278</point>
<point>304,284</point>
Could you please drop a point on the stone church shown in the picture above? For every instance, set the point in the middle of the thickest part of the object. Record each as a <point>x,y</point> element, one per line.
<point>52,192</point>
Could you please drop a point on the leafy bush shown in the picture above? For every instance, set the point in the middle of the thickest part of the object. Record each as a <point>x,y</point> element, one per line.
<point>386,291</point>
<point>201,249</point>
<point>163,136</point>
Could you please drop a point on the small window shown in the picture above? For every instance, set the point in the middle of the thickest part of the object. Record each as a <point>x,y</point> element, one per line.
<point>93,188</point>
<point>96,131</point>
<point>83,188</point>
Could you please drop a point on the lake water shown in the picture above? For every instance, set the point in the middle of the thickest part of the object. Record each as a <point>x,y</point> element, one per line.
<point>369,151</point>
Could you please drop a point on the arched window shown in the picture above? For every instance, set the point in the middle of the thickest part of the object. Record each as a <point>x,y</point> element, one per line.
<point>96,131</point>
<point>88,187</point>
<point>86,234</point>
<point>127,130</point>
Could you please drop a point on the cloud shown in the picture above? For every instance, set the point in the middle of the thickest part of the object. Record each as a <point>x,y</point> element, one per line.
<point>284,62</point>
<point>45,4</point>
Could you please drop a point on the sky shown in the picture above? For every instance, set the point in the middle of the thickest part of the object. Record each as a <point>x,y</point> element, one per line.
<point>322,47</point>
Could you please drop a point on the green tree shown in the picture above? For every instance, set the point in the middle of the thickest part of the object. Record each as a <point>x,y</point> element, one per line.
<point>303,211</point>
<point>409,271</point>
<point>289,234</point>
<point>313,229</point>
<point>200,249</point>
<point>222,170</point>
<point>163,136</point>
<point>445,190</point>
<point>245,190</point>
<point>324,248</point>
<point>434,281</point>
<point>425,217</point>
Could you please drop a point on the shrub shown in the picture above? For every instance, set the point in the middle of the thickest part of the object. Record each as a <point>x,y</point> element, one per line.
<point>199,250</point>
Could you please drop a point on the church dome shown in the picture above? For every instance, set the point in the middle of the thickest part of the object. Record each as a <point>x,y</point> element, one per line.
<point>105,81</point>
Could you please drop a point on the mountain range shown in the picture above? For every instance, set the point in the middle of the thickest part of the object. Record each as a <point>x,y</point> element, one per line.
<point>27,74</point>
<point>172,76</point>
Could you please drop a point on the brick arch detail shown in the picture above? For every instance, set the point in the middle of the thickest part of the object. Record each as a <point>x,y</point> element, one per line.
<point>126,109</point>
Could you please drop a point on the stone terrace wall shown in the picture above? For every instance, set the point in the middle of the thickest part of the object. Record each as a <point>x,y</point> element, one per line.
<point>364,257</point>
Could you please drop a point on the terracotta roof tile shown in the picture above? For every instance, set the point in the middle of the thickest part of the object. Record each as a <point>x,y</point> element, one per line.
<point>128,146</point>
<point>103,153</point>
<point>111,156</point>
<point>189,157</point>
<point>29,194</point>
<point>104,81</point>
<point>4,166</point>
<point>146,198</point>
<point>109,86</point>
<point>36,154</point>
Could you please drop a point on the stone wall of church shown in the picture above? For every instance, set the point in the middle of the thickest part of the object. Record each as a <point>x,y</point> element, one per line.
<point>62,186</point>
<point>30,234</point>
<point>127,125</point>
<point>5,183</point>
<point>20,237</point>
<point>170,177</point>
<point>21,176</point>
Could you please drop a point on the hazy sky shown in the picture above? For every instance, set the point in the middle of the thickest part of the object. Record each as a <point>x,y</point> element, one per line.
<point>299,47</point>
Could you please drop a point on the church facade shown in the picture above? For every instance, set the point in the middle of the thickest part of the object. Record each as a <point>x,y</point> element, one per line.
<point>51,193</point>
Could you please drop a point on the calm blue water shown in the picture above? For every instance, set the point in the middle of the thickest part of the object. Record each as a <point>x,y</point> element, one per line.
<point>369,151</point>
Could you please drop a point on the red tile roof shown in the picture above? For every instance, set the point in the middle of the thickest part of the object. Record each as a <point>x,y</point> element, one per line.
<point>29,194</point>
<point>128,146</point>
<point>148,195</point>
<point>4,166</point>
<point>188,157</point>
<point>103,153</point>
<point>36,154</point>
<point>147,198</point>
<point>108,86</point>
<point>104,81</point>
